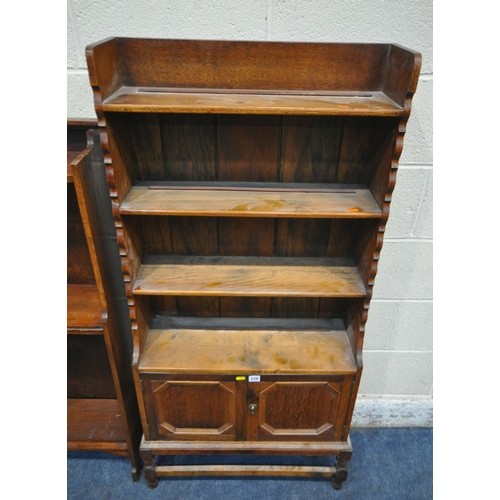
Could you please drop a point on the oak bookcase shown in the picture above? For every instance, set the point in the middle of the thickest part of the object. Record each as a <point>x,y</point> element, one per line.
<point>250,184</point>
<point>102,406</point>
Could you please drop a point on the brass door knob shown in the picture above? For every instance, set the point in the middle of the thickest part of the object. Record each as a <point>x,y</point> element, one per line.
<point>252,409</point>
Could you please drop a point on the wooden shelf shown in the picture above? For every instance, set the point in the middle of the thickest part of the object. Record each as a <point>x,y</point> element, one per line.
<point>248,276</point>
<point>95,420</point>
<point>177,100</point>
<point>225,346</point>
<point>84,310</point>
<point>237,199</point>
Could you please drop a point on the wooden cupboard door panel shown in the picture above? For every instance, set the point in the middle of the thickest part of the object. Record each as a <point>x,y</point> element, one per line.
<point>193,409</point>
<point>298,410</point>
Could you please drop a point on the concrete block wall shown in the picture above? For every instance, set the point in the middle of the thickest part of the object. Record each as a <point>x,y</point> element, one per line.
<point>396,387</point>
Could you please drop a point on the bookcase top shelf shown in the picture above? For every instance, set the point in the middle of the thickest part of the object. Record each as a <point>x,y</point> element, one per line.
<point>171,100</point>
<point>241,77</point>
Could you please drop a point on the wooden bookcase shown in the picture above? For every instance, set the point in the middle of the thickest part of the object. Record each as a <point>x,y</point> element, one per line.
<point>102,406</point>
<point>250,185</point>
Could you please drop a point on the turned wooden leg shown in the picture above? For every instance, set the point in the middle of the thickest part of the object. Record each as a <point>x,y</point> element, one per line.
<point>149,468</point>
<point>341,470</point>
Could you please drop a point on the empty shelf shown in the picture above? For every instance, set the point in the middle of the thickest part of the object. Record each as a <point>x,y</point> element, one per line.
<point>251,200</point>
<point>95,420</point>
<point>261,346</point>
<point>84,310</point>
<point>248,276</point>
<point>176,100</point>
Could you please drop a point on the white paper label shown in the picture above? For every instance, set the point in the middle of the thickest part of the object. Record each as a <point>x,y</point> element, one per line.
<point>254,378</point>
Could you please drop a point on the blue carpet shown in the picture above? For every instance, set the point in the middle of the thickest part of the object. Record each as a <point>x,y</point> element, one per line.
<point>387,463</point>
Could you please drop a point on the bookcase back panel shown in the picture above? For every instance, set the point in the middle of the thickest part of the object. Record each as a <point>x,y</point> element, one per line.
<point>367,152</point>
<point>260,237</point>
<point>256,148</point>
<point>251,65</point>
<point>89,371</point>
<point>310,148</point>
<point>80,269</point>
<point>247,147</point>
<point>250,307</point>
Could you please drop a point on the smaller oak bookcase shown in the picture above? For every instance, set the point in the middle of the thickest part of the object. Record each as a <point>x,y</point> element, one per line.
<point>250,185</point>
<point>102,406</point>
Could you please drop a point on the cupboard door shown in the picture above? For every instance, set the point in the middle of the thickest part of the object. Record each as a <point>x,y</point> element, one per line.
<point>194,408</point>
<point>297,408</point>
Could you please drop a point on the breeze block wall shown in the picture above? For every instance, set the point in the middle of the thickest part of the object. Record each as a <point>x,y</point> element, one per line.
<point>396,388</point>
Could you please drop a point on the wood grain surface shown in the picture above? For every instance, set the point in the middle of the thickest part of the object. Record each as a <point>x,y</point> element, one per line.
<point>95,420</point>
<point>244,470</point>
<point>244,202</point>
<point>85,312</point>
<point>248,276</point>
<point>133,99</point>
<point>247,351</point>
